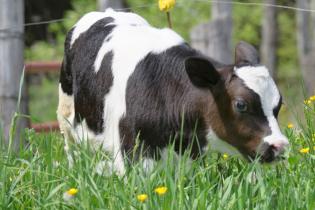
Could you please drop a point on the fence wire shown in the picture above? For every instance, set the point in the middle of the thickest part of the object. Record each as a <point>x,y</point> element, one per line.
<point>181,3</point>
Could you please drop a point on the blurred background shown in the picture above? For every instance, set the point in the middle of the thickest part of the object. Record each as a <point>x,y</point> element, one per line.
<point>282,30</point>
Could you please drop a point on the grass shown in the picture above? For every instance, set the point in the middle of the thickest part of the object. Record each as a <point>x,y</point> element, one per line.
<point>43,96</point>
<point>38,177</point>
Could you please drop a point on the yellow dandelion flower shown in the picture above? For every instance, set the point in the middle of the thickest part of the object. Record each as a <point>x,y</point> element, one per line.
<point>166,5</point>
<point>225,156</point>
<point>305,150</point>
<point>72,191</point>
<point>69,194</point>
<point>142,197</point>
<point>307,102</point>
<point>160,190</point>
<point>290,125</point>
<point>312,98</point>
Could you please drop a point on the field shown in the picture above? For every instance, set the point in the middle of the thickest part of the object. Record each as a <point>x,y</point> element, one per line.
<point>39,178</point>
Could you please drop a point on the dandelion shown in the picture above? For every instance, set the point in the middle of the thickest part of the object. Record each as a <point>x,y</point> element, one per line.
<point>312,98</point>
<point>166,6</point>
<point>69,194</point>
<point>225,156</point>
<point>307,102</point>
<point>290,125</point>
<point>142,197</point>
<point>305,150</point>
<point>160,190</point>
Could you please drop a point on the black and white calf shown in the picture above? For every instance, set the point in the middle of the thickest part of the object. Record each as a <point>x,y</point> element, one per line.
<point>122,78</point>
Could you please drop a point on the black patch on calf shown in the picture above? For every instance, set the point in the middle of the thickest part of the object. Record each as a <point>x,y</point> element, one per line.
<point>89,99</point>
<point>65,71</point>
<point>277,108</point>
<point>158,93</point>
<point>90,87</point>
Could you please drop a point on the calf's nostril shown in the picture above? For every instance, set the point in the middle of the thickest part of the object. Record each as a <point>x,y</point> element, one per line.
<point>269,154</point>
<point>276,147</point>
<point>279,147</point>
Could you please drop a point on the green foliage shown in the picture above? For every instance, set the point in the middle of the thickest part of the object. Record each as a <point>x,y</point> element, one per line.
<point>287,52</point>
<point>185,15</point>
<point>43,99</point>
<point>53,49</point>
<point>39,176</point>
<point>247,24</point>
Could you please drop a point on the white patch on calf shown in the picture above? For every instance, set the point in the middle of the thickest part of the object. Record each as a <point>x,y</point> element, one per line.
<point>85,23</point>
<point>172,158</point>
<point>66,105</point>
<point>81,133</point>
<point>131,44</point>
<point>126,18</point>
<point>258,79</point>
<point>120,18</point>
<point>109,143</point>
<point>148,165</point>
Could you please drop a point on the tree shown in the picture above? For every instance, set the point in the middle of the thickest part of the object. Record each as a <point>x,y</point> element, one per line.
<point>269,38</point>
<point>11,66</point>
<point>214,38</point>
<point>115,4</point>
<point>306,43</point>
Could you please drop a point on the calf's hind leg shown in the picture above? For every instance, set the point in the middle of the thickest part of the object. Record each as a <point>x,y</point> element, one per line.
<point>65,115</point>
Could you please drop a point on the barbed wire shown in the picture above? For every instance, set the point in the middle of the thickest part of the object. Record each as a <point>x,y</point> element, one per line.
<point>258,4</point>
<point>179,3</point>
<point>45,22</point>
<point>136,7</point>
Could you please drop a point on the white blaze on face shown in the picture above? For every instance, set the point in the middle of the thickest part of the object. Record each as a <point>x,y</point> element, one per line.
<point>258,79</point>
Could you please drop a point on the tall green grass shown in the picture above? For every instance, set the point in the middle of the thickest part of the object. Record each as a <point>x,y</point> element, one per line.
<point>38,177</point>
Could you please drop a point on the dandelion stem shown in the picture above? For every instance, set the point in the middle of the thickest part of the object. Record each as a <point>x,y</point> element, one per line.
<point>168,14</point>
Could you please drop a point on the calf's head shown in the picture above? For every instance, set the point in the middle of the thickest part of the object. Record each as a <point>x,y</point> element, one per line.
<point>243,103</point>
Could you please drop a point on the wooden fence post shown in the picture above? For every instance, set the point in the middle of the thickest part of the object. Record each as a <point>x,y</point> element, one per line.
<point>306,44</point>
<point>269,38</point>
<point>215,37</point>
<point>11,67</point>
<point>115,4</point>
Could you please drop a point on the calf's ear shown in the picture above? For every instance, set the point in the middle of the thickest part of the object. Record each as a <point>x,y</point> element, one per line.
<point>201,72</point>
<point>246,54</point>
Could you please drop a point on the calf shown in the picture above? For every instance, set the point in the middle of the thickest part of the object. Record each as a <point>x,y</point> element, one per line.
<point>122,80</point>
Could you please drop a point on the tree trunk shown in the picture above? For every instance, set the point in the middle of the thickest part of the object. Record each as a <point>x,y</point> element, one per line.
<point>11,67</point>
<point>303,30</point>
<point>269,38</point>
<point>306,46</point>
<point>115,4</point>
<point>214,38</point>
<point>313,21</point>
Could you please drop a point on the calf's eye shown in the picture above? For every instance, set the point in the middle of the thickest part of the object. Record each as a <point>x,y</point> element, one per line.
<point>240,106</point>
